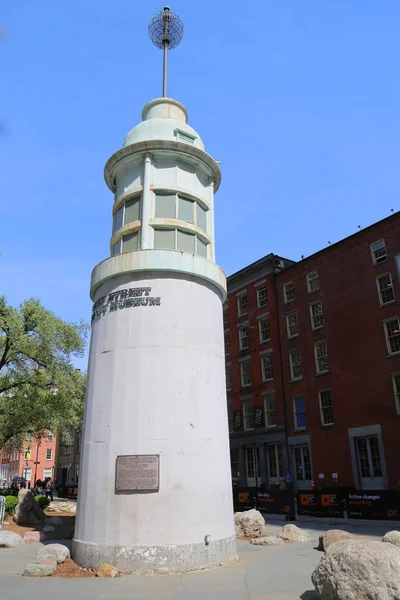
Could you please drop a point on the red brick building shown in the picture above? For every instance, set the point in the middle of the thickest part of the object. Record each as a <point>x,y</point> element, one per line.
<point>322,400</point>
<point>35,460</point>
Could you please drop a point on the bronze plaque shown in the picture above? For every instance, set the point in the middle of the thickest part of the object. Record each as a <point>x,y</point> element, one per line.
<point>137,473</point>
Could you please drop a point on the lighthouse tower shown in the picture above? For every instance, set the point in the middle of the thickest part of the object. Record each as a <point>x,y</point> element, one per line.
<point>155,488</point>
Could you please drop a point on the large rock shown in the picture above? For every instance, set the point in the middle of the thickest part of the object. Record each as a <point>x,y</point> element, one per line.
<point>28,511</point>
<point>106,571</point>
<point>268,540</point>
<point>8,539</point>
<point>40,568</point>
<point>62,506</point>
<point>332,536</point>
<point>249,523</point>
<point>56,552</point>
<point>54,520</point>
<point>392,537</point>
<point>292,533</point>
<point>357,570</point>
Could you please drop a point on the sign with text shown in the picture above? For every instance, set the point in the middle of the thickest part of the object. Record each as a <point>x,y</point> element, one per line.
<point>321,504</point>
<point>267,500</point>
<point>137,473</point>
<point>126,298</point>
<point>374,504</point>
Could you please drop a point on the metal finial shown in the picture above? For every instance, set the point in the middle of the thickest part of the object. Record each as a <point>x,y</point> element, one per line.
<point>166,32</point>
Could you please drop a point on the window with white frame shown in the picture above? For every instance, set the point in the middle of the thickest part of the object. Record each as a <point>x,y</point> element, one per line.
<point>227,343</point>
<point>245,373</point>
<point>275,461</point>
<point>267,370</point>
<point>396,388</point>
<point>242,305</point>
<point>225,314</point>
<point>321,357</point>
<point>173,206</point>
<point>47,472</point>
<point>292,324</point>
<point>49,453</point>
<point>50,436</point>
<point>385,289</point>
<point>128,212</point>
<point>378,251</point>
<point>317,317</point>
<point>264,330</point>
<point>295,365</point>
<point>243,338</point>
<point>392,333</point>
<point>312,281</point>
<point>299,412</point>
<point>235,463</point>
<point>270,410</point>
<point>27,473</point>
<point>248,414</point>
<point>182,241</point>
<point>228,377</point>
<point>230,416</point>
<point>262,296</point>
<point>325,404</point>
<point>288,291</point>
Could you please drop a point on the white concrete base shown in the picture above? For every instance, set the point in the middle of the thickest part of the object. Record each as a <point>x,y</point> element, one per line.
<point>156,559</point>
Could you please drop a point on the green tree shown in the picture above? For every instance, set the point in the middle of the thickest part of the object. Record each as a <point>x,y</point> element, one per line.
<point>40,389</point>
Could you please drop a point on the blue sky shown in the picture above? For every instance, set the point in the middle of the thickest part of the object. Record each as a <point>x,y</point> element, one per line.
<point>300,101</point>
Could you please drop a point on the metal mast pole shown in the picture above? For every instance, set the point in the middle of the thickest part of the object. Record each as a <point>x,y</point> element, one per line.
<point>165,70</point>
<point>166,32</point>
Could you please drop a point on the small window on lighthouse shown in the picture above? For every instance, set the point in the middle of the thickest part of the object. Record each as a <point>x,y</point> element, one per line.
<point>201,248</point>
<point>165,206</point>
<point>131,210</point>
<point>186,210</point>
<point>185,242</point>
<point>164,239</point>
<point>118,218</point>
<point>130,242</point>
<point>117,247</point>
<point>201,217</point>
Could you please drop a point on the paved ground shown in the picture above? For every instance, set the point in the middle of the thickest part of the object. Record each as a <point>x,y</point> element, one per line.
<point>261,573</point>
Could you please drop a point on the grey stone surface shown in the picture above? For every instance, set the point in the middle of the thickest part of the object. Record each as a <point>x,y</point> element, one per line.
<point>35,536</point>
<point>392,537</point>
<point>249,523</point>
<point>292,533</point>
<point>268,540</point>
<point>10,539</point>
<point>28,511</point>
<point>357,569</point>
<point>40,568</point>
<point>160,559</point>
<point>61,505</point>
<point>57,552</point>
<point>332,536</point>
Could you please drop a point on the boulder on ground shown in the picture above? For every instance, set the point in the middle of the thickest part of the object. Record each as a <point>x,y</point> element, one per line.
<point>356,569</point>
<point>8,539</point>
<point>40,568</point>
<point>332,536</point>
<point>34,536</point>
<point>106,571</point>
<point>268,540</point>
<point>62,506</point>
<point>249,523</point>
<point>392,537</point>
<point>28,511</point>
<point>48,529</point>
<point>56,552</point>
<point>292,533</point>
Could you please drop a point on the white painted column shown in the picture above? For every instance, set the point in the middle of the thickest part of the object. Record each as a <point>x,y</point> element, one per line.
<point>211,212</point>
<point>144,238</point>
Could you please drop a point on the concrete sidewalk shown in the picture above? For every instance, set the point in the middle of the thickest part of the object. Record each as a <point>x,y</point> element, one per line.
<point>260,573</point>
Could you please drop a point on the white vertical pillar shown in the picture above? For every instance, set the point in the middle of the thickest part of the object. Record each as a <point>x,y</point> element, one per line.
<point>144,238</point>
<point>211,212</point>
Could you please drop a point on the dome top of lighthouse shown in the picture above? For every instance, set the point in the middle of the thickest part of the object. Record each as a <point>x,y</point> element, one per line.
<point>164,119</point>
